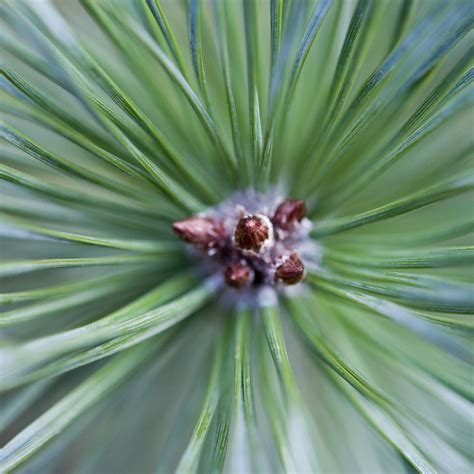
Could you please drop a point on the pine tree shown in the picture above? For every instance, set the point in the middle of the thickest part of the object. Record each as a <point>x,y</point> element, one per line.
<point>236,236</point>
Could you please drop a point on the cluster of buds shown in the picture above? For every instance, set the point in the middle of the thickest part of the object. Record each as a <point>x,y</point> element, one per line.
<point>254,248</point>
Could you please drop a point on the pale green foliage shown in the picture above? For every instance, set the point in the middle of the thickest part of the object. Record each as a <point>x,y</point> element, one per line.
<point>120,116</point>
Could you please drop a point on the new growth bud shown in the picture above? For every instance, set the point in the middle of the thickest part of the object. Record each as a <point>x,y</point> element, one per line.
<point>202,232</point>
<point>251,232</point>
<point>288,213</point>
<point>238,274</point>
<point>248,246</point>
<point>291,271</point>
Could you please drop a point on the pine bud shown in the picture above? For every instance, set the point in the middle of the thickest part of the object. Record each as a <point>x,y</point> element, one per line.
<point>288,213</point>
<point>202,232</point>
<point>238,274</point>
<point>251,232</point>
<point>291,271</point>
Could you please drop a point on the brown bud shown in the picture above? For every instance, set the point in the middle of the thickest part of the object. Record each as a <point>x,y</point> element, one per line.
<point>238,274</point>
<point>202,232</point>
<point>251,232</point>
<point>288,213</point>
<point>291,271</point>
